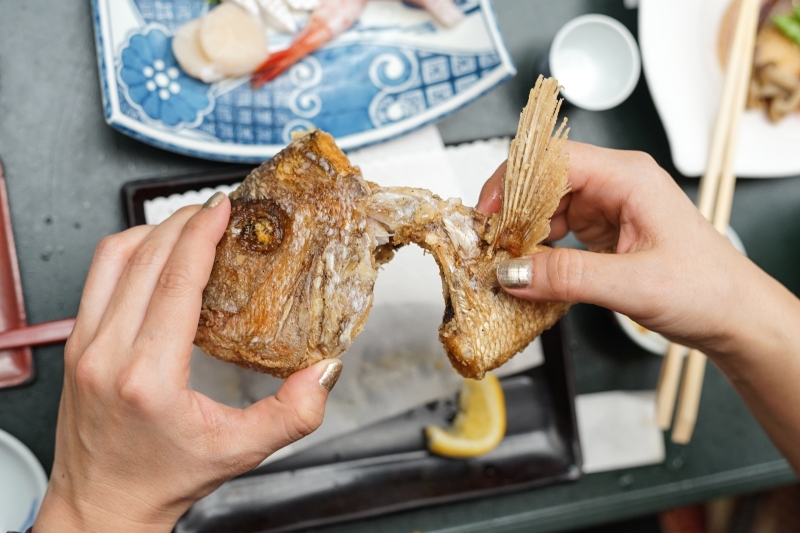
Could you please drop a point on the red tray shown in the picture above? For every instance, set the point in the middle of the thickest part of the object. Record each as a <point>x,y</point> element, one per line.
<point>16,366</point>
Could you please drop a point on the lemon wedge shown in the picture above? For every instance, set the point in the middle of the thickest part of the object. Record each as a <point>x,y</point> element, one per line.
<point>479,425</point>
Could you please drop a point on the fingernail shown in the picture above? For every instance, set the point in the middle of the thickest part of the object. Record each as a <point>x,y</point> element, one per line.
<point>214,201</point>
<point>515,273</point>
<point>331,375</point>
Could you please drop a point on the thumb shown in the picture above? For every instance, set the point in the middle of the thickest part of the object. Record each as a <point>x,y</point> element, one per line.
<point>296,410</point>
<point>570,275</point>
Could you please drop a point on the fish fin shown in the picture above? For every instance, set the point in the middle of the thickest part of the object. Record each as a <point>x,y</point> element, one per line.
<point>536,173</point>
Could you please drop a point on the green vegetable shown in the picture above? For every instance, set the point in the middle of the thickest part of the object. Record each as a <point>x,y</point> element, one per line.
<point>789,25</point>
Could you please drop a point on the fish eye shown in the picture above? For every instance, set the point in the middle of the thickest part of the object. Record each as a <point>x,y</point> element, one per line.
<point>260,226</point>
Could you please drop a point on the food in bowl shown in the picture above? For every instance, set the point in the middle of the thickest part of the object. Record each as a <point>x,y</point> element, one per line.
<point>775,79</point>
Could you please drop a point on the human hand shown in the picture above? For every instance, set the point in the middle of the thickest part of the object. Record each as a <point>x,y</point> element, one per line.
<point>672,271</point>
<point>135,447</point>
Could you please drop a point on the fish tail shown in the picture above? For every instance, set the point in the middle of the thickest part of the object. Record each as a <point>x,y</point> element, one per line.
<point>536,173</point>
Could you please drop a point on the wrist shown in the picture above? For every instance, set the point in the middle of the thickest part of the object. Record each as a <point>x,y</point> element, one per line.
<point>66,512</point>
<point>759,324</point>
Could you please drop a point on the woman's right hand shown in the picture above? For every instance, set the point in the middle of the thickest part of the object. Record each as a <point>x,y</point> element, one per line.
<point>672,271</point>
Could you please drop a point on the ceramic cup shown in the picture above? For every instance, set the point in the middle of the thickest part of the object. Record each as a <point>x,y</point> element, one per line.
<point>596,60</point>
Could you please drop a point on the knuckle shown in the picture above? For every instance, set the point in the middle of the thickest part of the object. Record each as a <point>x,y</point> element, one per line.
<point>193,225</point>
<point>176,280</point>
<point>132,388</point>
<point>301,422</point>
<point>71,350</point>
<point>565,273</point>
<point>642,159</point>
<point>649,169</point>
<point>110,247</point>
<point>179,218</point>
<point>148,256</point>
<point>89,373</point>
<point>187,210</point>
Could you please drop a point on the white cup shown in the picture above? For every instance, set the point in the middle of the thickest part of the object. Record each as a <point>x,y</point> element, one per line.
<point>596,60</point>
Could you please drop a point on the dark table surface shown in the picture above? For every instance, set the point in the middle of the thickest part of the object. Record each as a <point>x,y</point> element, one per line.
<point>65,167</point>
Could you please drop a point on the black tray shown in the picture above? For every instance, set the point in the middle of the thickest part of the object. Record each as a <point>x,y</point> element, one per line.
<point>386,467</point>
<point>134,193</point>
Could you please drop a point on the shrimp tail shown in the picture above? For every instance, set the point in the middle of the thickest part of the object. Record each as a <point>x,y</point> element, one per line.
<point>307,41</point>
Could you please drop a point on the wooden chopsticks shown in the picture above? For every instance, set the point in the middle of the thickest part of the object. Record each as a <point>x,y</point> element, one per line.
<point>714,202</point>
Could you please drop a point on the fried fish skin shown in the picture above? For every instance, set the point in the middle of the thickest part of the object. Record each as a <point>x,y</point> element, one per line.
<point>483,326</point>
<point>293,278</point>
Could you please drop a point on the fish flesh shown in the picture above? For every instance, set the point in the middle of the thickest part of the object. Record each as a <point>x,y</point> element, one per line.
<point>293,278</point>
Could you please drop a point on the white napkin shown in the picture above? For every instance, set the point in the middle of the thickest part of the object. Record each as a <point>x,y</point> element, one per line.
<point>160,209</point>
<point>618,430</point>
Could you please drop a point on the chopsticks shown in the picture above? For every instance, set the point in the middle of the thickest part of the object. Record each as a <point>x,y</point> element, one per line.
<point>36,335</point>
<point>714,202</point>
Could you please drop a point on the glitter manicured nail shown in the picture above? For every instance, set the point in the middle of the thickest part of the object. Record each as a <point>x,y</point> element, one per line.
<point>515,273</point>
<point>331,375</point>
<point>214,201</point>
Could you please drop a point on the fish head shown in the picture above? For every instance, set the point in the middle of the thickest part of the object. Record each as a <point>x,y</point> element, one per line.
<point>293,277</point>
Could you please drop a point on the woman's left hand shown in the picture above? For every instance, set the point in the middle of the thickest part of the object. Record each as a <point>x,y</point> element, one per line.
<point>135,447</point>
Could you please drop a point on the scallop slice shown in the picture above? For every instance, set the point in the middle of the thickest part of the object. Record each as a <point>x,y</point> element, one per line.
<point>190,55</point>
<point>233,40</point>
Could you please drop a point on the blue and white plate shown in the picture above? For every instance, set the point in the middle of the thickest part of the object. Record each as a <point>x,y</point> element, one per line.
<point>394,71</point>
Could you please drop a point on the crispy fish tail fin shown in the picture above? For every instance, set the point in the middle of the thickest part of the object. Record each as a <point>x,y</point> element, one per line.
<point>536,174</point>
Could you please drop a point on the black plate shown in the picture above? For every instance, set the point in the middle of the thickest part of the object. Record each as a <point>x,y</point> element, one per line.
<point>386,467</point>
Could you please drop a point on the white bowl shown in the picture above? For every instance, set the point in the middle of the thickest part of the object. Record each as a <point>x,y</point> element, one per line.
<point>22,484</point>
<point>649,340</point>
<point>596,60</point>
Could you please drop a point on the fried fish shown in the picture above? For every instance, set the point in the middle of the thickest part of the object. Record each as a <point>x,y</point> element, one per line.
<point>293,278</point>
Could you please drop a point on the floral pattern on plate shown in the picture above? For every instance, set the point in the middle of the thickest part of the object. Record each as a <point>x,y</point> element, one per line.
<point>156,84</point>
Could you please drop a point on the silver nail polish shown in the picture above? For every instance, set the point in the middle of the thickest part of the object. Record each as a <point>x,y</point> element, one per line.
<point>214,201</point>
<point>515,273</point>
<point>331,375</point>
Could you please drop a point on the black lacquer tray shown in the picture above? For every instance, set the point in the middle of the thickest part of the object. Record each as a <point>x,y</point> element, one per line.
<point>386,467</point>
<point>134,193</point>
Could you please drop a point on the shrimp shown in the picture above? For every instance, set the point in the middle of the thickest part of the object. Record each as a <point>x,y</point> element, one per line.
<point>327,22</point>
